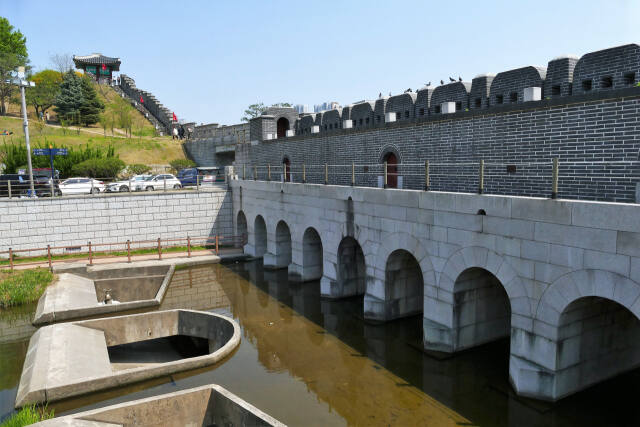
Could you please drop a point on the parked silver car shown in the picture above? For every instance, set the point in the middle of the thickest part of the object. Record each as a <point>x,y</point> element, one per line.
<point>123,186</point>
<point>159,182</point>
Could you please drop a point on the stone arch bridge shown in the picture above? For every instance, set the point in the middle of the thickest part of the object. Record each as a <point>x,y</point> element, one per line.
<point>560,278</point>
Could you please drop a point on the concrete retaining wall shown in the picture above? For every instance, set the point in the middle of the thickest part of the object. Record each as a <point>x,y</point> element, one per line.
<point>73,221</point>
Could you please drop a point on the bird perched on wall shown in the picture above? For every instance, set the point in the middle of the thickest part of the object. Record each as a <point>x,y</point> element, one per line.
<point>428,84</point>
<point>441,82</point>
<point>452,79</point>
<point>459,78</point>
<point>408,90</point>
<point>380,95</point>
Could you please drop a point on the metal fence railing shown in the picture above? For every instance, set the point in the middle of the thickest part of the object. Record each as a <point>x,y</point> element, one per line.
<point>595,180</point>
<point>18,186</point>
<point>49,255</point>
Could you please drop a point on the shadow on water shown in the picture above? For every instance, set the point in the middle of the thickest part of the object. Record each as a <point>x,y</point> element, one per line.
<point>474,383</point>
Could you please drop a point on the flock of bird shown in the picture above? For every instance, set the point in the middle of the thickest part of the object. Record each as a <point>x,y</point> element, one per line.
<point>451,79</point>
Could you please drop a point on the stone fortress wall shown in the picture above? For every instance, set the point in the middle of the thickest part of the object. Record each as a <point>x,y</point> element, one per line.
<point>213,145</point>
<point>582,111</point>
<point>150,102</point>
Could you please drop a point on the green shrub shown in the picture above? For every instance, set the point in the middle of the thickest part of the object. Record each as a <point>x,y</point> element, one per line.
<point>27,416</point>
<point>21,287</point>
<point>15,157</point>
<point>138,169</point>
<point>179,164</point>
<point>109,167</point>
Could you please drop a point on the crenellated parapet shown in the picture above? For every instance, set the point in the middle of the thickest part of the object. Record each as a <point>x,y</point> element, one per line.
<point>454,96</point>
<point>607,69</point>
<point>402,106</point>
<point>508,87</point>
<point>564,77</point>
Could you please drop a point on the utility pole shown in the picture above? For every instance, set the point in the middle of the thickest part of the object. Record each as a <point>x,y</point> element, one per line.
<point>23,84</point>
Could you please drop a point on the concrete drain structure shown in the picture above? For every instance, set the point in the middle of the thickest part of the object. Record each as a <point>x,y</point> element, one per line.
<point>70,359</point>
<point>209,405</point>
<point>84,292</point>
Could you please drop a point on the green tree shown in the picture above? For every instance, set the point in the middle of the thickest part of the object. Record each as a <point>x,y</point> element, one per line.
<point>254,110</point>
<point>108,167</point>
<point>179,164</point>
<point>92,106</point>
<point>43,95</point>
<point>13,54</point>
<point>70,99</point>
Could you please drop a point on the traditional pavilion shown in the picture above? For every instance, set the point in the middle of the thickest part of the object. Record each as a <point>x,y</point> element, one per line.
<point>98,66</point>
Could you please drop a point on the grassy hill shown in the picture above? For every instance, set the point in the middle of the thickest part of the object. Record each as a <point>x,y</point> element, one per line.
<point>143,147</point>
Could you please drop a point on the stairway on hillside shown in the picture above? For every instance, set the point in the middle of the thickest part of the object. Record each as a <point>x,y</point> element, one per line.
<point>151,105</point>
<point>142,109</point>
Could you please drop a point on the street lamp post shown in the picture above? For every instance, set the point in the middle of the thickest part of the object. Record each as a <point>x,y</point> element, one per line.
<point>20,81</point>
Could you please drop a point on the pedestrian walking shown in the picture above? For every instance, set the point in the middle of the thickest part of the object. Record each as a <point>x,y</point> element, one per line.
<point>175,133</point>
<point>47,116</point>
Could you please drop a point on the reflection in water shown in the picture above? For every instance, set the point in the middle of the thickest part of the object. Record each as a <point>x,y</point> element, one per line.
<point>309,361</point>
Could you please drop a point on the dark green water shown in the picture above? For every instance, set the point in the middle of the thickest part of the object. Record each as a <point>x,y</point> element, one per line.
<point>309,361</point>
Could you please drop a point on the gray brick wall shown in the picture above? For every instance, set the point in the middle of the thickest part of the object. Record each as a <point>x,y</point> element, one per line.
<point>403,106</point>
<point>582,133</point>
<point>362,114</point>
<point>332,120</point>
<point>479,96</point>
<point>74,221</point>
<point>621,64</point>
<point>559,77</point>
<point>457,92</point>
<point>423,100</point>
<point>513,82</point>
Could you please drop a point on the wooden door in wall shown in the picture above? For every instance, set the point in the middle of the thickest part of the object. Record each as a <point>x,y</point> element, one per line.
<point>392,170</point>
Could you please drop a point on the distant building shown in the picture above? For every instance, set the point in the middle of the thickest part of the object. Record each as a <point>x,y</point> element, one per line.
<point>98,66</point>
<point>326,106</point>
<point>301,108</point>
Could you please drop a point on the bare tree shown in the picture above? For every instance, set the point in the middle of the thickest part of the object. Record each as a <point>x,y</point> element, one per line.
<point>62,62</point>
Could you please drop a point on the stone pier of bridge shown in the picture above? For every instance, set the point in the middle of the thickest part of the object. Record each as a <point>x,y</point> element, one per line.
<point>559,278</point>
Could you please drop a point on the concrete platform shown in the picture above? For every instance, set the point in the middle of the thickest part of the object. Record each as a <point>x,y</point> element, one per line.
<point>71,359</point>
<point>207,405</point>
<point>79,291</point>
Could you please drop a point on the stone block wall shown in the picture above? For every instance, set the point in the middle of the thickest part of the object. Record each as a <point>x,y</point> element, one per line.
<point>74,221</point>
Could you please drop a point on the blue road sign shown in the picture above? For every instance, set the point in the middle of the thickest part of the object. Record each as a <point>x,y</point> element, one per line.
<point>50,152</point>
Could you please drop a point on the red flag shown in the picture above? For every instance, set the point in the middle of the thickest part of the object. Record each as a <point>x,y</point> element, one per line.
<point>104,67</point>
<point>141,100</point>
<point>175,119</point>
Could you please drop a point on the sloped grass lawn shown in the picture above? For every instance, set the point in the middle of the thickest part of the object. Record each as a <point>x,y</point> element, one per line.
<point>21,287</point>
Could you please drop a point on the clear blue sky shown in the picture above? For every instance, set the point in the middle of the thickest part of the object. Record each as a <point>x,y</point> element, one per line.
<point>208,60</point>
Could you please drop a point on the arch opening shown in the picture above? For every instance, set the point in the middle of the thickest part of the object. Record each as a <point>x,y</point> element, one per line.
<point>241,228</point>
<point>260,236</point>
<point>282,127</point>
<point>392,169</point>
<point>597,339</point>
<point>283,245</point>
<point>481,309</point>
<point>404,284</point>
<point>311,254</point>
<point>351,271</point>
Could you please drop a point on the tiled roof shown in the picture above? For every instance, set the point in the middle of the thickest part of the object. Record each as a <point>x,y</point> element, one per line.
<point>97,59</point>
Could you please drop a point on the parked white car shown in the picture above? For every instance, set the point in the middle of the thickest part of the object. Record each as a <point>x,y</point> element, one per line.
<point>81,186</point>
<point>123,186</point>
<point>157,182</point>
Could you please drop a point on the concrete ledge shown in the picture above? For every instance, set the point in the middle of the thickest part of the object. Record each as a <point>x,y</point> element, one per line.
<point>76,297</point>
<point>66,360</point>
<point>206,405</point>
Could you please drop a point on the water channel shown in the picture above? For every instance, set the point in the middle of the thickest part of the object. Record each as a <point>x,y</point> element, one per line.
<point>308,361</point>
